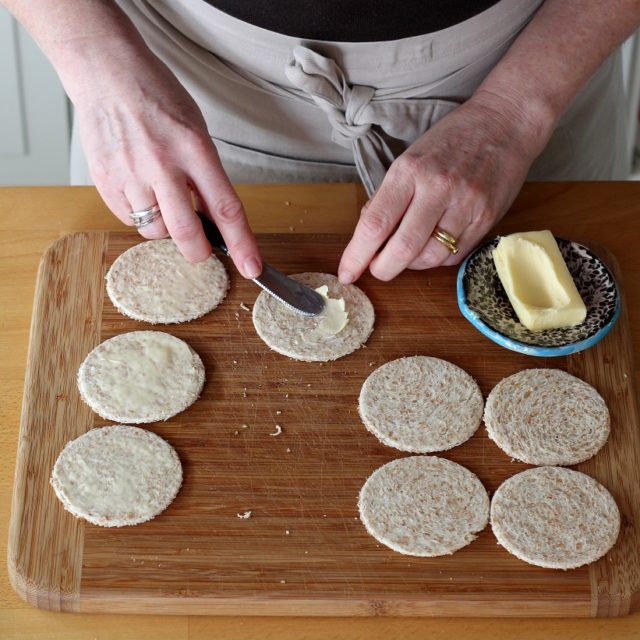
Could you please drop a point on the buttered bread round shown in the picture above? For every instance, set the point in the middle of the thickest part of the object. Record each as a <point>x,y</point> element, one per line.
<point>141,376</point>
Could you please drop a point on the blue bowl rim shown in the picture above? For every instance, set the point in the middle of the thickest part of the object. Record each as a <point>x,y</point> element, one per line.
<point>521,347</point>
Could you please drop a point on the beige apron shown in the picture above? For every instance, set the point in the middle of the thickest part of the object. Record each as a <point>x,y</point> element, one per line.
<point>285,109</point>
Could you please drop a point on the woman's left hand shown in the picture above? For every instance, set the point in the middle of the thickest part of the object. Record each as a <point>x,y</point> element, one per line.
<point>461,176</point>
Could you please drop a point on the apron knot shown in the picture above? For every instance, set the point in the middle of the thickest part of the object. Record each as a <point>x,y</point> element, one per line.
<point>322,80</point>
<point>347,110</point>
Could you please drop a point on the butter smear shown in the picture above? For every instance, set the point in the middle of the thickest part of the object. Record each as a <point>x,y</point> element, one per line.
<point>537,281</point>
<point>333,319</point>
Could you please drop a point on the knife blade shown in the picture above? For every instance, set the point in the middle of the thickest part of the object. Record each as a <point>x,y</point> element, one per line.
<point>294,295</point>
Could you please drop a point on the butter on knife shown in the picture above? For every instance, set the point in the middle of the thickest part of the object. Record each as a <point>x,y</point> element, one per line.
<point>537,281</point>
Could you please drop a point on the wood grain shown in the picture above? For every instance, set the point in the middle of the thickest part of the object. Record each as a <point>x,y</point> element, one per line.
<point>199,558</point>
<point>610,369</point>
<point>45,546</point>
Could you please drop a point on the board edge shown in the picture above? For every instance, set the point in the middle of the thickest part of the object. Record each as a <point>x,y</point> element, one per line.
<point>40,593</point>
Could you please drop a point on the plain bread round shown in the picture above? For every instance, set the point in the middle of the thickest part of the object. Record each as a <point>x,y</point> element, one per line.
<point>141,376</point>
<point>554,517</point>
<point>421,404</point>
<point>424,506</point>
<point>154,283</point>
<point>289,333</point>
<point>547,417</point>
<point>116,476</point>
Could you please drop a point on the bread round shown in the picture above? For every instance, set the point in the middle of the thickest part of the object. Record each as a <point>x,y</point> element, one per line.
<point>554,517</point>
<point>154,283</point>
<point>546,417</point>
<point>294,336</point>
<point>141,376</point>
<point>424,506</point>
<point>117,476</point>
<point>421,404</point>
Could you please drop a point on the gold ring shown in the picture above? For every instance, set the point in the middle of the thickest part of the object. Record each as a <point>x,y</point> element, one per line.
<point>446,239</point>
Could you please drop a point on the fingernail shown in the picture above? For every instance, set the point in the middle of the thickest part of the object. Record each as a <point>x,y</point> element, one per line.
<point>251,268</point>
<point>345,277</point>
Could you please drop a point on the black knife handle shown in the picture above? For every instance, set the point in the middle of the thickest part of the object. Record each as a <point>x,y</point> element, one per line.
<point>213,233</point>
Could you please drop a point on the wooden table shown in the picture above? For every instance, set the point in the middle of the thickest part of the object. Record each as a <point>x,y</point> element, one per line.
<point>31,219</point>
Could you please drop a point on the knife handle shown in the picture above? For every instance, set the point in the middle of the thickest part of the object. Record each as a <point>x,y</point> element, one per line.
<point>213,233</point>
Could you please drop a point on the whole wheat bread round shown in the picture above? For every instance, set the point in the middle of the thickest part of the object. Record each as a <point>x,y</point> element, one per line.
<point>141,376</point>
<point>295,336</point>
<point>424,506</point>
<point>116,476</point>
<point>421,404</point>
<point>554,517</point>
<point>154,283</point>
<point>547,417</point>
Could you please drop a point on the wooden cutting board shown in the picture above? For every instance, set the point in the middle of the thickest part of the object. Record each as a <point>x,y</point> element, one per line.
<point>303,551</point>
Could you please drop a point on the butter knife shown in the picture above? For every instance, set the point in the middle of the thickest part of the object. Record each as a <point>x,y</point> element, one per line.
<point>294,295</point>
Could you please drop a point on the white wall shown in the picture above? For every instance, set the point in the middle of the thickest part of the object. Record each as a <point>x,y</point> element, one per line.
<point>34,112</point>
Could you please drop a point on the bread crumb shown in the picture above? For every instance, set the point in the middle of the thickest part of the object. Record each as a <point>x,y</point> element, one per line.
<point>283,582</point>
<point>287,532</point>
<point>306,552</point>
<point>277,432</point>
<point>244,307</point>
<point>244,516</point>
<point>371,364</point>
<point>286,395</point>
<point>292,228</point>
<point>244,426</point>
<point>237,315</point>
<point>287,203</point>
<point>235,362</point>
<point>278,412</point>
<point>309,385</point>
<point>288,450</point>
<point>236,432</point>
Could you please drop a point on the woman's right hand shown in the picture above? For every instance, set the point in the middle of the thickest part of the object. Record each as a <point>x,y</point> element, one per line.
<point>146,142</point>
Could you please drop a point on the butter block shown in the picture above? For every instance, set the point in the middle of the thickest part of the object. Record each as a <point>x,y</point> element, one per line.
<point>537,281</point>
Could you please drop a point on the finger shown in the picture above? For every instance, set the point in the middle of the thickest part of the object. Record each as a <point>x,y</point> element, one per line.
<point>142,197</point>
<point>117,203</point>
<point>469,239</point>
<point>456,223</point>
<point>411,235</point>
<point>377,221</point>
<point>174,198</point>
<point>223,205</point>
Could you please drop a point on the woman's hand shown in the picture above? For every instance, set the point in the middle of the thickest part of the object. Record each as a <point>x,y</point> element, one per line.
<point>146,142</point>
<point>145,139</point>
<point>461,176</point>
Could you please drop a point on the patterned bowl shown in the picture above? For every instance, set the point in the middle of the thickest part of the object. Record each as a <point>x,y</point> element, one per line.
<point>483,301</point>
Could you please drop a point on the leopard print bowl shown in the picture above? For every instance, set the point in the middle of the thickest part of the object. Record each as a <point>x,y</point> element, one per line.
<point>483,301</point>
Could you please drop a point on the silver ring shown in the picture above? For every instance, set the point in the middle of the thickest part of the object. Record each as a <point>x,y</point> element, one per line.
<point>145,216</point>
